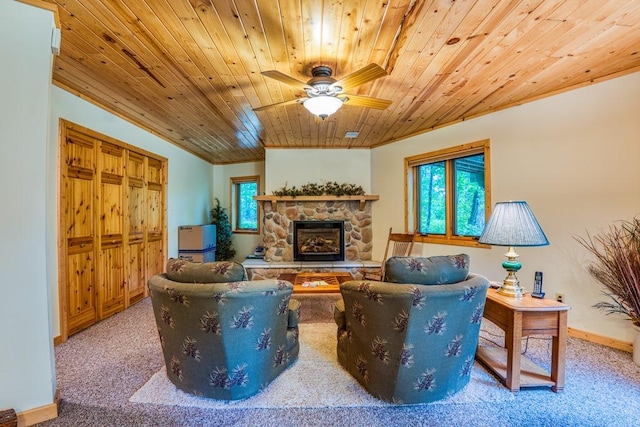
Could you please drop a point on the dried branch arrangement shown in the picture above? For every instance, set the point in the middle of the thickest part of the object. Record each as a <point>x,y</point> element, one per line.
<point>617,267</point>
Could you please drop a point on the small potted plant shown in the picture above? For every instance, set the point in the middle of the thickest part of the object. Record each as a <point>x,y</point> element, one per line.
<point>617,268</point>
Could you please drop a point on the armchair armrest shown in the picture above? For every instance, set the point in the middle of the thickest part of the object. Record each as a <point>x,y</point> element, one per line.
<point>338,314</point>
<point>294,313</point>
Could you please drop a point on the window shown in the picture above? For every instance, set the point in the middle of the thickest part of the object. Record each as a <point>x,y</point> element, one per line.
<point>244,207</point>
<point>448,194</point>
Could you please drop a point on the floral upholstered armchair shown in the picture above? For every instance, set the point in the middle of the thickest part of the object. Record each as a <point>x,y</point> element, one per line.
<point>412,338</point>
<point>222,336</point>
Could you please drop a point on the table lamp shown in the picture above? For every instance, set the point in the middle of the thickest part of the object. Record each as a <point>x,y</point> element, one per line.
<point>512,224</point>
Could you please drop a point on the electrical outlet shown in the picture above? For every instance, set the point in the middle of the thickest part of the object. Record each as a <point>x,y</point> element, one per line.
<point>560,297</point>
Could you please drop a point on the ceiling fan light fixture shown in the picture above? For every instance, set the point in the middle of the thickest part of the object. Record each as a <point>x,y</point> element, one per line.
<point>323,106</point>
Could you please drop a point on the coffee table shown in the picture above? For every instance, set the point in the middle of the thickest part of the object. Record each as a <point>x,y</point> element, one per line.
<point>520,317</point>
<point>332,280</point>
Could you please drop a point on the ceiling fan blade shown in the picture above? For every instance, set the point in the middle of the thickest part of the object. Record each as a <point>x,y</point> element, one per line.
<point>283,78</point>
<point>366,101</point>
<point>362,76</point>
<point>279,104</point>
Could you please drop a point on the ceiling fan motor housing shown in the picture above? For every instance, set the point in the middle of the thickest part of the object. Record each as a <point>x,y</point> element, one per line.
<point>321,71</point>
<point>322,81</point>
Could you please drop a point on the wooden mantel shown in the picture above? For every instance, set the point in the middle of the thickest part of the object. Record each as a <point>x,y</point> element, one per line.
<point>325,198</point>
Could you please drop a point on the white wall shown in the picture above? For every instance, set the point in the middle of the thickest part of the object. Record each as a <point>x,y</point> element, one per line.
<point>244,244</point>
<point>27,378</point>
<point>296,167</point>
<point>573,157</point>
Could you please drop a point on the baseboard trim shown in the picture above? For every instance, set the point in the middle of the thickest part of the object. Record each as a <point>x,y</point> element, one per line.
<point>600,339</point>
<point>40,414</point>
<point>37,415</point>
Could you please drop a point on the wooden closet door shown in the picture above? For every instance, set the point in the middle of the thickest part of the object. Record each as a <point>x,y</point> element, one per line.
<point>112,234</point>
<point>78,180</point>
<point>155,217</point>
<point>136,208</point>
<point>111,282</point>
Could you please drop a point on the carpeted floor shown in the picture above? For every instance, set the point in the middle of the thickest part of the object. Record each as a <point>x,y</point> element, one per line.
<point>99,369</point>
<point>316,380</point>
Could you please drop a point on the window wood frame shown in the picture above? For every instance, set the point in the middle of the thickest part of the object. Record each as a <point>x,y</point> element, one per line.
<point>411,197</point>
<point>235,203</point>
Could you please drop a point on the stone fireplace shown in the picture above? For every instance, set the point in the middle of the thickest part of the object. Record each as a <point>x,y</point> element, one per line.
<point>280,215</point>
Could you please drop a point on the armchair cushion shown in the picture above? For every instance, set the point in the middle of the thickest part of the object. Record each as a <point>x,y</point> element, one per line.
<point>435,270</point>
<point>180,270</point>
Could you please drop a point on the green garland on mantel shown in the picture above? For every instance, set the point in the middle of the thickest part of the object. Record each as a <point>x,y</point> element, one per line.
<point>329,189</point>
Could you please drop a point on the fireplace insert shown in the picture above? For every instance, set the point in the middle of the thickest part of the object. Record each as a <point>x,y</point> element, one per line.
<point>318,240</point>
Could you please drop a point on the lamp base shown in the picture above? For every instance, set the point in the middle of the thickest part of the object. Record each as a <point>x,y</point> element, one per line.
<point>511,285</point>
<point>511,289</point>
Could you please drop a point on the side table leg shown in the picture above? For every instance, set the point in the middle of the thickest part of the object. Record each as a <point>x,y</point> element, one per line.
<point>558,353</point>
<point>513,338</point>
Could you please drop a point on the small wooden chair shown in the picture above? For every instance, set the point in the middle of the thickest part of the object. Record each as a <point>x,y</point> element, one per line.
<point>398,244</point>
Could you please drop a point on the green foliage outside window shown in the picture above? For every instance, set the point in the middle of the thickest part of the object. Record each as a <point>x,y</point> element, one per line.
<point>470,196</point>
<point>247,206</point>
<point>467,192</point>
<point>432,199</point>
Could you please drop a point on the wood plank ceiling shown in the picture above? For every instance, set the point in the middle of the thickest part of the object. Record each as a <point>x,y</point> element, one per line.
<point>190,70</point>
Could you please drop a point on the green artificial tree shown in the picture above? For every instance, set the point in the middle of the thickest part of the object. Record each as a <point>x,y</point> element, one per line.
<point>224,248</point>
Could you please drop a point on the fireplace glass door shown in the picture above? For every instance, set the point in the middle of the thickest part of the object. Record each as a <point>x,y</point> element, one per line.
<point>318,241</point>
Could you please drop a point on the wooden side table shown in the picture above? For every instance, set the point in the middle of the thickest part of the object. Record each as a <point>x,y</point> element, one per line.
<point>519,318</point>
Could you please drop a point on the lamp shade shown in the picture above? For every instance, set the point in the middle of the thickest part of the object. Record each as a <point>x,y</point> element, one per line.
<point>513,224</point>
<point>323,105</point>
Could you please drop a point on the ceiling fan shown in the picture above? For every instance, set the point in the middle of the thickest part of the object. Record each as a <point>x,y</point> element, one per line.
<point>325,95</point>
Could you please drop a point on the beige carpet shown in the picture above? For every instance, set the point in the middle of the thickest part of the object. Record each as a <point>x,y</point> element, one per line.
<point>316,380</point>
